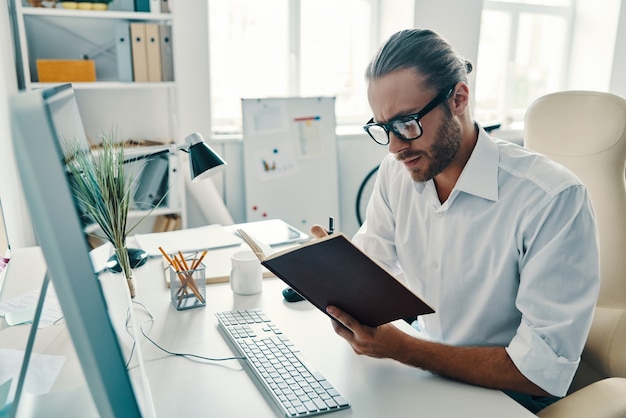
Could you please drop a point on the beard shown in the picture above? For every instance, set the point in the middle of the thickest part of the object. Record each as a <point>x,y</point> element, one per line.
<point>436,158</point>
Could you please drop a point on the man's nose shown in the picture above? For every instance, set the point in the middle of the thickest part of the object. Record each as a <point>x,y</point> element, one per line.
<point>397,145</point>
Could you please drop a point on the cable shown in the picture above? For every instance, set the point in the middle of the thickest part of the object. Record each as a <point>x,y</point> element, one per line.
<point>172,353</point>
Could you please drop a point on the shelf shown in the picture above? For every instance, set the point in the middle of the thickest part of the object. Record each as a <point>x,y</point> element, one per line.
<point>109,85</point>
<point>134,215</point>
<point>91,14</point>
<point>139,110</point>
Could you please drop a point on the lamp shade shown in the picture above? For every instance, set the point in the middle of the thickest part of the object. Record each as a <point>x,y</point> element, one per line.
<point>203,161</point>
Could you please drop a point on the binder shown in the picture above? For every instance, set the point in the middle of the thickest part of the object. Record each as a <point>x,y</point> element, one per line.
<point>155,6</point>
<point>167,58</point>
<point>142,5</point>
<point>123,5</point>
<point>123,52</point>
<point>165,6</point>
<point>139,52</point>
<point>153,51</point>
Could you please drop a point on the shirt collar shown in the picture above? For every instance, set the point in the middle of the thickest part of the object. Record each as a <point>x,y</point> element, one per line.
<point>480,175</point>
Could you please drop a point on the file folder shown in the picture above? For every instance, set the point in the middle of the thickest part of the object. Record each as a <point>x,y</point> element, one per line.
<point>167,58</point>
<point>155,6</point>
<point>142,5</point>
<point>153,50</point>
<point>123,5</point>
<point>123,52</point>
<point>139,51</point>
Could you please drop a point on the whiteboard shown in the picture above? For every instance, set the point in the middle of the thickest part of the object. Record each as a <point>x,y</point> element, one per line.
<point>290,160</point>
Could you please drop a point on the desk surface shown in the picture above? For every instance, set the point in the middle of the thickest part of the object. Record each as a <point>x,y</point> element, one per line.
<point>186,388</point>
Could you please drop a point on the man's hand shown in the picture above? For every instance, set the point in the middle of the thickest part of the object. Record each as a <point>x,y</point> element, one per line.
<point>484,366</point>
<point>318,231</point>
<point>379,342</point>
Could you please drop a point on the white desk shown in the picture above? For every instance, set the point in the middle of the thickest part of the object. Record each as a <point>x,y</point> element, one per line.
<point>185,388</point>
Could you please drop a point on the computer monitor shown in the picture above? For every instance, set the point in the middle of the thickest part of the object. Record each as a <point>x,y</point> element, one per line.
<point>41,121</point>
<point>5,248</point>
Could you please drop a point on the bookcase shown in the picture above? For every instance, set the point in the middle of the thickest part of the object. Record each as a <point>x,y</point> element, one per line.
<point>141,110</point>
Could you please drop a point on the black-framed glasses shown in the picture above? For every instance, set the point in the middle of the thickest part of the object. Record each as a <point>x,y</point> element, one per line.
<point>407,128</point>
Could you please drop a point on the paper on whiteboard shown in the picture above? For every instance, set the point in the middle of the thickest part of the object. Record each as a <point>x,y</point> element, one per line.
<point>310,143</point>
<point>266,118</point>
<point>276,162</point>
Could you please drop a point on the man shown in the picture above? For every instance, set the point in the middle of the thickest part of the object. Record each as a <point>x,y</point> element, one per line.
<point>500,241</point>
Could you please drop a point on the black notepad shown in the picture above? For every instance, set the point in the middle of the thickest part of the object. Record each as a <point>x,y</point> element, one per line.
<point>332,271</point>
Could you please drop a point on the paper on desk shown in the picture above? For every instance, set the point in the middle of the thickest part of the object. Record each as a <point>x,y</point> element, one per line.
<point>21,309</point>
<point>5,388</point>
<point>187,240</point>
<point>273,232</point>
<point>100,255</point>
<point>43,370</point>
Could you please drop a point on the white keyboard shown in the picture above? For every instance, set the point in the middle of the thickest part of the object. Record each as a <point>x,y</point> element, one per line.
<point>297,388</point>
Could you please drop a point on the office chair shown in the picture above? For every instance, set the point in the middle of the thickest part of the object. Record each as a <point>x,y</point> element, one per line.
<point>586,132</point>
<point>363,194</point>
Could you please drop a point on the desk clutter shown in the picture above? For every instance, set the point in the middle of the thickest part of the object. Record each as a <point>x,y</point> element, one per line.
<point>221,241</point>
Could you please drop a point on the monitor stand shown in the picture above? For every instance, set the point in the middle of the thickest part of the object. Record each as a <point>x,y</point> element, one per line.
<point>29,348</point>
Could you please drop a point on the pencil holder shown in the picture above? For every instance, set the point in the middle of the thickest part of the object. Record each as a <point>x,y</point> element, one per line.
<point>188,287</point>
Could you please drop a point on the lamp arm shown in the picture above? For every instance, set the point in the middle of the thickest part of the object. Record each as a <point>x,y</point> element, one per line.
<point>170,149</point>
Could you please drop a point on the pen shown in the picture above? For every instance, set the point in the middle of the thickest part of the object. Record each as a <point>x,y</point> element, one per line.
<point>331,225</point>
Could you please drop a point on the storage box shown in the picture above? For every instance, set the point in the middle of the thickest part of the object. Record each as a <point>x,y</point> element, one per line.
<point>54,71</point>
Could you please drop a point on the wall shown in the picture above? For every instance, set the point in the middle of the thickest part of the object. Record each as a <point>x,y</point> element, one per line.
<point>457,21</point>
<point>593,52</point>
<point>19,226</point>
<point>618,75</point>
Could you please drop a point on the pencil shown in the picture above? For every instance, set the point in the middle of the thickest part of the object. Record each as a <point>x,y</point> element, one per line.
<point>182,258</point>
<point>197,263</point>
<point>167,257</point>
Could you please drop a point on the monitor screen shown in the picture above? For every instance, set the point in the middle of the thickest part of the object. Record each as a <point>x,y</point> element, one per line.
<point>41,121</point>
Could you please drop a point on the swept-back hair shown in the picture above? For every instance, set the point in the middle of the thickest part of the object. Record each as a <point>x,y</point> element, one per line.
<point>426,52</point>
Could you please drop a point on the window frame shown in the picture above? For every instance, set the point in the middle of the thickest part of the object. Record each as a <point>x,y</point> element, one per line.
<point>515,9</point>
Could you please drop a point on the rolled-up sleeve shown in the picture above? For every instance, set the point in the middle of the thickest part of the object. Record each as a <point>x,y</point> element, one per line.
<point>559,284</point>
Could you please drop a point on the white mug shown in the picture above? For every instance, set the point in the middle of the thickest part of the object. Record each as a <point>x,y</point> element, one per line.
<point>246,275</point>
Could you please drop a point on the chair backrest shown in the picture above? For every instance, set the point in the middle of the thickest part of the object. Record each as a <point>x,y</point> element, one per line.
<point>586,132</point>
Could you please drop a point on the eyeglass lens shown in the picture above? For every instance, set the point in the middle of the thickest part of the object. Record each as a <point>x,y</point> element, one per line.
<point>409,129</point>
<point>406,130</point>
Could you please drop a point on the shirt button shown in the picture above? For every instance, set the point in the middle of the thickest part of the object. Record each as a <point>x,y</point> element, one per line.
<point>434,264</point>
<point>440,214</point>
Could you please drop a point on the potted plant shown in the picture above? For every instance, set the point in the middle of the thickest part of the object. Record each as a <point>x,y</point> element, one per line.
<point>104,190</point>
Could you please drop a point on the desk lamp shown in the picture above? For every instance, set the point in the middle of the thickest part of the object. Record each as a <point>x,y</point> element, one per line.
<point>203,163</point>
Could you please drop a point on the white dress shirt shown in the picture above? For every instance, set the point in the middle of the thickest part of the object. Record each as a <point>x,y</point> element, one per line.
<point>509,259</point>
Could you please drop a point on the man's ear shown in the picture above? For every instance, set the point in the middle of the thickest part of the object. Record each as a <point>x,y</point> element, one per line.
<point>460,99</point>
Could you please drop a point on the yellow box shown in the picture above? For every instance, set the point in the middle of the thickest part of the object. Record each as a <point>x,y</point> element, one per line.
<point>54,71</point>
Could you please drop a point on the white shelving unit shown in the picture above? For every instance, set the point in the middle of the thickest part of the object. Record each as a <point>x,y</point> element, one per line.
<point>140,111</point>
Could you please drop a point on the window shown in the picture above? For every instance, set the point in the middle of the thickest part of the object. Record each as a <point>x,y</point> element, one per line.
<point>280,48</point>
<point>529,48</point>
<point>523,50</point>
